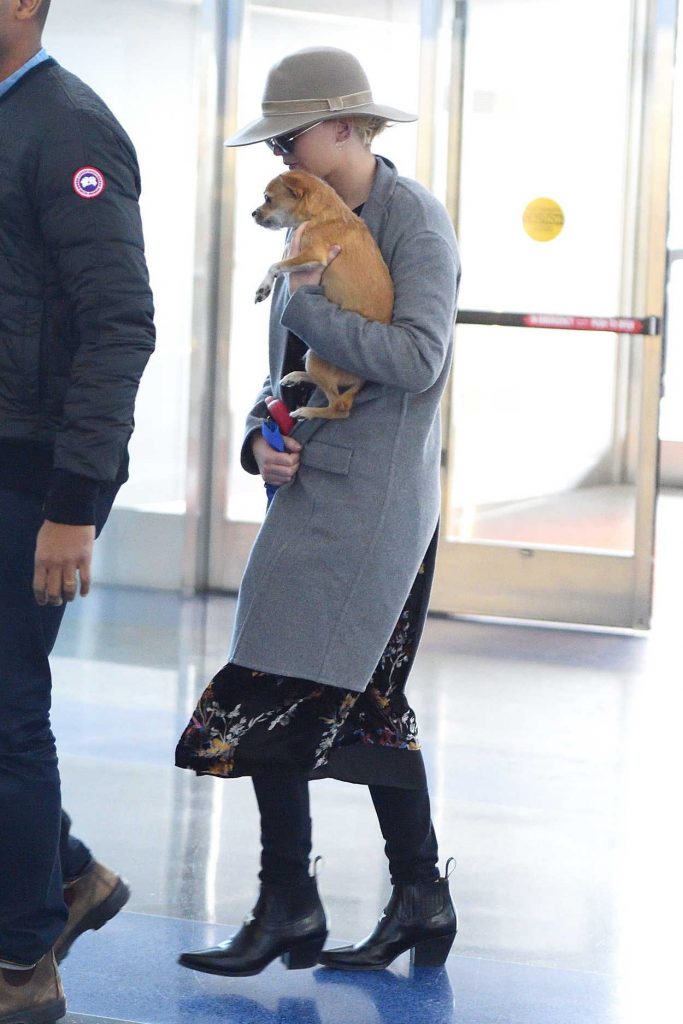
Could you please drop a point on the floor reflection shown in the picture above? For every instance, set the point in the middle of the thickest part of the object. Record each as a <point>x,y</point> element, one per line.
<point>554,761</point>
<point>130,974</point>
<point>239,1008</point>
<point>424,996</point>
<point>424,993</point>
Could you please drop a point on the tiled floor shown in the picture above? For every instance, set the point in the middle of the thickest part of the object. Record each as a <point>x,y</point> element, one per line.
<point>555,765</point>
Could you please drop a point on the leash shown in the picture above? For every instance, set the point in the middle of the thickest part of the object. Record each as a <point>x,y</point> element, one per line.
<point>274,428</point>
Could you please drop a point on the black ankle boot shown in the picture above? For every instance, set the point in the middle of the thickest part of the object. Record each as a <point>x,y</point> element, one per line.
<point>420,916</point>
<point>287,922</point>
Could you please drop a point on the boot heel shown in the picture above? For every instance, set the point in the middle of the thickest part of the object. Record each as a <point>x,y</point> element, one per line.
<point>304,954</point>
<point>432,952</point>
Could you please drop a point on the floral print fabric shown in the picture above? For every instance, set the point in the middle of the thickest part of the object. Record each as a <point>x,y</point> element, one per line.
<point>248,721</point>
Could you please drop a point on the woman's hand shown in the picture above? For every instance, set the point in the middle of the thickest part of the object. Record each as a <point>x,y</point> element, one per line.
<point>276,467</point>
<point>302,277</point>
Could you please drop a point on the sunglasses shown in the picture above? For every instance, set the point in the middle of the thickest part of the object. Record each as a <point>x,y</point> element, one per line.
<point>285,143</point>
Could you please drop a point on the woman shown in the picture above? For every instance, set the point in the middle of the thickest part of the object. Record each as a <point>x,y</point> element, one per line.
<point>335,593</point>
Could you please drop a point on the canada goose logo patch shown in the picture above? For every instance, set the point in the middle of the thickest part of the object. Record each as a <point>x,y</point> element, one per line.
<point>88,182</point>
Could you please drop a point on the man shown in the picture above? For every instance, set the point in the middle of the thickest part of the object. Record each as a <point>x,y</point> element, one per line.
<point>76,330</point>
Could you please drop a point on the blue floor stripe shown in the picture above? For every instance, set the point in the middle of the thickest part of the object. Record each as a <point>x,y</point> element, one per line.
<point>128,973</point>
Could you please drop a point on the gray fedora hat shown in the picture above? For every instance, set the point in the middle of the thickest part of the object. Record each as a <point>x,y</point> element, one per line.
<point>320,83</point>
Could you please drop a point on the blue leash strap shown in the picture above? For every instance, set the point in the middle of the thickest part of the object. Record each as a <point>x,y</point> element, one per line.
<point>273,435</point>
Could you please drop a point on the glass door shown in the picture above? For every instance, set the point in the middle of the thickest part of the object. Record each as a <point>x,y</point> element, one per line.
<point>145,59</point>
<point>551,446</point>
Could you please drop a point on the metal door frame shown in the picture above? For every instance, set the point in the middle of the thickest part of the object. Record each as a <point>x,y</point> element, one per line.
<point>671,452</point>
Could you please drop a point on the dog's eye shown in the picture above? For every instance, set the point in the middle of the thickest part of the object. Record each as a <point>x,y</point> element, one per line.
<point>267,199</point>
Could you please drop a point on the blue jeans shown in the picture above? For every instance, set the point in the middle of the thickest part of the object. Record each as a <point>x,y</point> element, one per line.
<point>37,852</point>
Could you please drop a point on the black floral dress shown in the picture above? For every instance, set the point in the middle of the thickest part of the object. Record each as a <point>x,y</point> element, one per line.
<point>249,722</point>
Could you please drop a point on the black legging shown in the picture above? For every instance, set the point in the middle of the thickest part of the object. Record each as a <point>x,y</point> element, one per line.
<point>404,817</point>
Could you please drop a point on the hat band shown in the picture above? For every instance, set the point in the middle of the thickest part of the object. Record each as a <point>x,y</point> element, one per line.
<point>316,106</point>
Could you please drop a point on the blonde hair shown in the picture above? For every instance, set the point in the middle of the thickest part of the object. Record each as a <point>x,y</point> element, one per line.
<point>368,127</point>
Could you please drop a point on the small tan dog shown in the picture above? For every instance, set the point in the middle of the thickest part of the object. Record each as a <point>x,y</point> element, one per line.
<point>356,279</point>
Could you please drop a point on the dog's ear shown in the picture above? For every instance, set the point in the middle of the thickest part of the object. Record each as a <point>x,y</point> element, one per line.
<point>292,184</point>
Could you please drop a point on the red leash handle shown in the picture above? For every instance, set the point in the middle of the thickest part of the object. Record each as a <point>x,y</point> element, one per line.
<point>280,413</point>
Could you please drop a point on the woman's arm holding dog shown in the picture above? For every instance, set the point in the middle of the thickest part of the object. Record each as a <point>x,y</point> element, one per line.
<point>410,352</point>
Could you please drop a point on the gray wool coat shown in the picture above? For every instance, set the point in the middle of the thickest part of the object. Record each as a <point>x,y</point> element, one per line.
<point>341,544</point>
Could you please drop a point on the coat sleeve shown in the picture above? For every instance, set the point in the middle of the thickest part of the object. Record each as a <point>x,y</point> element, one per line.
<point>95,244</point>
<point>410,352</point>
<point>255,418</point>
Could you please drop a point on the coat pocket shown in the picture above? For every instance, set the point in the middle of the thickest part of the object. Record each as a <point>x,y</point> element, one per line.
<point>332,458</point>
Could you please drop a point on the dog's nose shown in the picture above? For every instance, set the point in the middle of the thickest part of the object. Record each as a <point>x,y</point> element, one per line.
<point>254,213</point>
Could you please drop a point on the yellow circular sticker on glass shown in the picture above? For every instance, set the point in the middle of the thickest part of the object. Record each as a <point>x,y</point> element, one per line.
<point>543,219</point>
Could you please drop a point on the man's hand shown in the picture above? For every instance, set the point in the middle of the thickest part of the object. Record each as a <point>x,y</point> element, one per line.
<point>276,467</point>
<point>62,554</point>
<point>302,277</point>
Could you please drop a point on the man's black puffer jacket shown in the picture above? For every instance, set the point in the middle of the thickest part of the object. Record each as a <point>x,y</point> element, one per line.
<point>76,313</point>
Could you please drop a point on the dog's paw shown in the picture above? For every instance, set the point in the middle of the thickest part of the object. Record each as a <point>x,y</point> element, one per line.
<point>296,377</point>
<point>302,413</point>
<point>265,288</point>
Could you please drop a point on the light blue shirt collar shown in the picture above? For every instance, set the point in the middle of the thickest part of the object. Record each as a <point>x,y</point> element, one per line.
<point>38,58</point>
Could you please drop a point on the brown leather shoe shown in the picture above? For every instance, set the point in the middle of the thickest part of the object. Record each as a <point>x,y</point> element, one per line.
<point>32,997</point>
<point>93,899</point>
